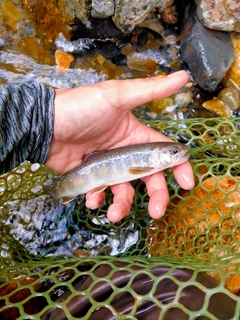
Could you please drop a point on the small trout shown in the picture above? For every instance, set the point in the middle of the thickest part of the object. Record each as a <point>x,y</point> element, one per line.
<point>106,168</point>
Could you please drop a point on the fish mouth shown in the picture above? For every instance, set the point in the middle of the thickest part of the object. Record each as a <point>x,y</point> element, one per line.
<point>183,157</point>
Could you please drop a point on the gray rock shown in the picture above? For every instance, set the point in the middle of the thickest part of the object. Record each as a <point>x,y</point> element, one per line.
<point>208,53</point>
<point>220,14</point>
<point>130,13</point>
<point>102,9</point>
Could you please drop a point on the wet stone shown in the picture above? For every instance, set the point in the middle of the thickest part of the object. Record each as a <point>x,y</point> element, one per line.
<point>141,61</point>
<point>63,59</point>
<point>227,101</point>
<point>230,97</point>
<point>33,48</point>
<point>232,77</point>
<point>208,53</point>
<point>46,229</point>
<point>217,108</point>
<point>158,106</point>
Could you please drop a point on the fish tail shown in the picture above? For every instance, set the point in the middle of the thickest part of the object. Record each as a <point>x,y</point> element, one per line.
<point>49,190</point>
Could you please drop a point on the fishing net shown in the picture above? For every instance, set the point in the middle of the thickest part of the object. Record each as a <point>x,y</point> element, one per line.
<point>68,262</point>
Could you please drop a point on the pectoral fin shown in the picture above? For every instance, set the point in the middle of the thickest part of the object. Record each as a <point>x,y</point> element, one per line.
<point>66,200</point>
<point>92,155</point>
<point>140,170</point>
<point>99,189</point>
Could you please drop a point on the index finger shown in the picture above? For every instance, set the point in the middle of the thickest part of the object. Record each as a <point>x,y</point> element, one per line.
<point>128,94</point>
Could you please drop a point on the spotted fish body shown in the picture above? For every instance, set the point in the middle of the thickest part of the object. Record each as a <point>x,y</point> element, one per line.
<point>116,166</point>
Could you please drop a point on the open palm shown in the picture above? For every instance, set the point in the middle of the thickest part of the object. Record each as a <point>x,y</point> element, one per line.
<point>98,117</point>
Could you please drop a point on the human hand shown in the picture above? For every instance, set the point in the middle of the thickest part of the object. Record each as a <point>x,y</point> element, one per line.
<point>98,117</point>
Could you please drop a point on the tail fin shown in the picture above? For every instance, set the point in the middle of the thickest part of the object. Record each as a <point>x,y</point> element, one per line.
<point>48,189</point>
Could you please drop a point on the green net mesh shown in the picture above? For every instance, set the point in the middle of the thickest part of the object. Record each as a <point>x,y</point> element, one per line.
<point>68,262</point>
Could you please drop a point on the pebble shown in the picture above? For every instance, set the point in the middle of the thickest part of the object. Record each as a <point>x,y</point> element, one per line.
<point>230,97</point>
<point>158,106</point>
<point>63,59</point>
<point>170,15</point>
<point>228,100</point>
<point>217,108</point>
<point>141,61</point>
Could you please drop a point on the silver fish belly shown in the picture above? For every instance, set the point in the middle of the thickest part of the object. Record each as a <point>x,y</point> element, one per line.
<point>117,166</point>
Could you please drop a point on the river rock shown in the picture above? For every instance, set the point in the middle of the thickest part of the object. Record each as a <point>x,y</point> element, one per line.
<point>217,108</point>
<point>220,14</point>
<point>232,77</point>
<point>102,9</point>
<point>130,13</point>
<point>143,61</point>
<point>208,53</point>
<point>76,18</point>
<point>63,59</point>
<point>227,101</point>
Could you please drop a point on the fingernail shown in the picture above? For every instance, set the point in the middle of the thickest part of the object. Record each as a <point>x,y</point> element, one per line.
<point>189,183</point>
<point>158,212</point>
<point>176,74</point>
<point>92,205</point>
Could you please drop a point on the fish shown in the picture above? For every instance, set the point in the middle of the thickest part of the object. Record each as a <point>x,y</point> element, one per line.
<point>106,168</point>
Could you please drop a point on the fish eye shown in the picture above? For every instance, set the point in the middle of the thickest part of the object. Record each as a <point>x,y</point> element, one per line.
<point>174,150</point>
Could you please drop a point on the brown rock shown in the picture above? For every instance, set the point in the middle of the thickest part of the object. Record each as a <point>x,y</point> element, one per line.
<point>217,108</point>
<point>33,48</point>
<point>10,14</point>
<point>63,59</point>
<point>142,62</point>
<point>232,77</point>
<point>170,15</point>
<point>47,17</point>
<point>158,106</point>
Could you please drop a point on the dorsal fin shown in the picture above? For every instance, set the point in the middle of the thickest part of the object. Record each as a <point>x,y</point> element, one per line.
<point>92,155</point>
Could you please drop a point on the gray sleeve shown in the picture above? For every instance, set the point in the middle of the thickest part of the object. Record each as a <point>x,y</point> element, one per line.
<point>26,124</point>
